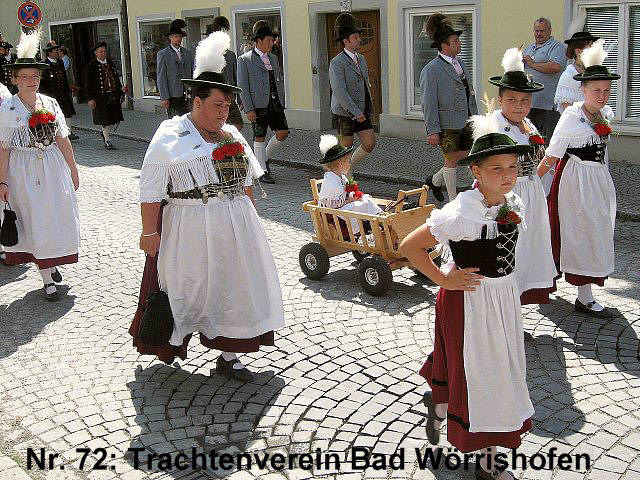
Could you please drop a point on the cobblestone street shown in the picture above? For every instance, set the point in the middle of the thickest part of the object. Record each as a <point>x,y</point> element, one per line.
<point>343,372</point>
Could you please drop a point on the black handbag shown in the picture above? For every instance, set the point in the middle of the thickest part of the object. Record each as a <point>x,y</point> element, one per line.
<point>8,230</point>
<point>156,326</point>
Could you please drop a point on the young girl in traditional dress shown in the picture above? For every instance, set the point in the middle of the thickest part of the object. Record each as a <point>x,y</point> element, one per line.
<point>582,202</point>
<point>336,161</point>
<point>535,269</point>
<point>38,173</point>
<point>477,371</point>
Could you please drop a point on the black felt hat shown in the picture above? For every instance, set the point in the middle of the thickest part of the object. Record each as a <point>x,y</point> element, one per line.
<point>517,81</point>
<point>493,144</point>
<point>52,46</point>
<point>177,27</point>
<point>581,36</point>
<point>346,26</point>
<point>6,45</point>
<point>593,58</point>
<point>332,149</point>
<point>443,33</point>
<point>212,79</point>
<point>262,29</point>
<point>28,63</point>
<point>596,72</point>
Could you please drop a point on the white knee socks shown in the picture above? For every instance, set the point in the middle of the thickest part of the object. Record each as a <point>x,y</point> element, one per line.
<point>438,178</point>
<point>358,155</point>
<point>273,143</point>
<point>105,132</point>
<point>260,151</point>
<point>46,278</point>
<point>449,175</point>
<point>585,296</point>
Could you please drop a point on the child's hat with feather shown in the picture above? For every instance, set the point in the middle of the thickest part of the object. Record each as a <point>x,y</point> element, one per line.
<point>210,63</point>
<point>592,58</point>
<point>331,149</point>
<point>488,139</point>
<point>27,50</point>
<point>514,77</point>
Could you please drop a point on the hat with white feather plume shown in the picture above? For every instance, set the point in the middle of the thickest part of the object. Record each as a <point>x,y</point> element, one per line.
<point>488,139</point>
<point>331,149</point>
<point>576,30</point>
<point>27,50</point>
<point>593,58</point>
<point>210,63</point>
<point>514,77</point>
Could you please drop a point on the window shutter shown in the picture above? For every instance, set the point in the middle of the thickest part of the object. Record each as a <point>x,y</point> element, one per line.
<point>604,22</point>
<point>633,76</point>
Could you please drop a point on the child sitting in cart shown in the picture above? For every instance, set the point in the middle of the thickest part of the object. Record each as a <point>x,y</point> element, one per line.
<point>337,191</point>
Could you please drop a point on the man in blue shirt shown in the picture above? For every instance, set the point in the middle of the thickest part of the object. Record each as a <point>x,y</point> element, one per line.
<point>544,61</point>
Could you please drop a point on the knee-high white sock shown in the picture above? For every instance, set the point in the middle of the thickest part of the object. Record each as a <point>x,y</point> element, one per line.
<point>358,155</point>
<point>261,154</point>
<point>438,178</point>
<point>46,278</point>
<point>273,143</point>
<point>585,296</point>
<point>449,175</point>
<point>105,132</point>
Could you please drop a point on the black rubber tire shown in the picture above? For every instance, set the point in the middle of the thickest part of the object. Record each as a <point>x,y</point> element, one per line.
<point>359,256</point>
<point>375,268</point>
<point>314,261</point>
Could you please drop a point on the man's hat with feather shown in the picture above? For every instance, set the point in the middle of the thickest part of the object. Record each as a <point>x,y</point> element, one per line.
<point>177,27</point>
<point>331,149</point>
<point>439,28</point>
<point>514,77</point>
<point>592,58</point>
<point>262,29</point>
<point>27,50</point>
<point>210,62</point>
<point>345,26</point>
<point>489,140</point>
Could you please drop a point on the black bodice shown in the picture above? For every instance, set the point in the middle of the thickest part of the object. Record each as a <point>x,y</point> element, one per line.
<point>494,257</point>
<point>590,153</point>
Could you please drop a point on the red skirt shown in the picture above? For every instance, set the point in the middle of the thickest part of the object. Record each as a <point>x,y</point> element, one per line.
<point>444,371</point>
<point>539,296</point>
<point>168,353</point>
<point>18,258</point>
<point>556,244</point>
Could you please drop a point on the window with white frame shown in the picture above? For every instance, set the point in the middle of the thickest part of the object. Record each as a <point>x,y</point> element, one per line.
<point>419,51</point>
<point>619,24</point>
<point>153,38</point>
<point>244,30</point>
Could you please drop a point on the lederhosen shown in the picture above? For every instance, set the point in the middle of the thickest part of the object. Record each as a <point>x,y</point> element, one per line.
<point>272,116</point>
<point>348,126</point>
<point>462,138</point>
<point>54,83</point>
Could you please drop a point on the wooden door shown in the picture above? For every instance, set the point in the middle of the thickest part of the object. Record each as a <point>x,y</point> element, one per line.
<point>84,39</point>
<point>369,22</point>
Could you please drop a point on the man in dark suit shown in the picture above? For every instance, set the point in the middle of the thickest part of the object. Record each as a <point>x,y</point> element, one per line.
<point>174,63</point>
<point>448,101</point>
<point>55,84</point>
<point>6,57</point>
<point>260,77</point>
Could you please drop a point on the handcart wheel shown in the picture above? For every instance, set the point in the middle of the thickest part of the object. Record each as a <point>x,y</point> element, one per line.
<point>314,261</point>
<point>375,275</point>
<point>359,256</point>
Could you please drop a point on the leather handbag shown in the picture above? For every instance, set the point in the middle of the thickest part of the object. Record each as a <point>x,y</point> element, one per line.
<point>8,230</point>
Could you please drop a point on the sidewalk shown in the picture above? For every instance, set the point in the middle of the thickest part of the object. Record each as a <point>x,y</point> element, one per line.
<point>394,160</point>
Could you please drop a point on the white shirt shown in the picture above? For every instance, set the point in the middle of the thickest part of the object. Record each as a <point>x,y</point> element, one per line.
<point>101,61</point>
<point>265,58</point>
<point>453,61</point>
<point>177,50</point>
<point>352,55</point>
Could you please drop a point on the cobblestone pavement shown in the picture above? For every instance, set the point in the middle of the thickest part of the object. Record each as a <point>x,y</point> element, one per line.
<point>343,373</point>
<point>393,160</point>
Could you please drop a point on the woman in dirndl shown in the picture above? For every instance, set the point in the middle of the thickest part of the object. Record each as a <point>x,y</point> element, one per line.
<point>207,243</point>
<point>5,94</point>
<point>477,371</point>
<point>38,173</point>
<point>582,202</point>
<point>535,269</point>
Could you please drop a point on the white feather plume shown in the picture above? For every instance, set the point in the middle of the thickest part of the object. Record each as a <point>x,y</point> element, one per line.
<point>577,24</point>
<point>512,60</point>
<point>210,53</point>
<point>594,55</point>
<point>327,142</point>
<point>484,124</point>
<point>29,44</point>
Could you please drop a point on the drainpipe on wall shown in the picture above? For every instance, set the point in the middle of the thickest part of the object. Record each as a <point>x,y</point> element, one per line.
<point>127,51</point>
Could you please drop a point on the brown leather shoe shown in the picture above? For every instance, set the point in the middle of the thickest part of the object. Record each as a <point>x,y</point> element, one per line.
<point>225,368</point>
<point>433,433</point>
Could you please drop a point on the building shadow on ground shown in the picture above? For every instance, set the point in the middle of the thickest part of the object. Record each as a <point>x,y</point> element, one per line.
<point>178,411</point>
<point>13,273</point>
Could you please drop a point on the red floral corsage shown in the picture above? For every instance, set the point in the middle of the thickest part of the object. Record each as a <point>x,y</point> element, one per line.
<point>41,117</point>
<point>352,187</point>
<point>601,125</point>
<point>536,139</point>
<point>507,215</point>
<point>228,149</point>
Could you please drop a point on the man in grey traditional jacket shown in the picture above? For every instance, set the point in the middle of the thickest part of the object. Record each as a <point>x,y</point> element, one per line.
<point>448,101</point>
<point>351,102</point>
<point>174,63</point>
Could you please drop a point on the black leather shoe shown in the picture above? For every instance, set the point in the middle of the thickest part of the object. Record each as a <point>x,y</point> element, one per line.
<point>226,368</point>
<point>108,145</point>
<point>586,309</point>
<point>72,137</point>
<point>437,191</point>
<point>267,178</point>
<point>56,276</point>
<point>482,474</point>
<point>433,433</point>
<point>51,297</point>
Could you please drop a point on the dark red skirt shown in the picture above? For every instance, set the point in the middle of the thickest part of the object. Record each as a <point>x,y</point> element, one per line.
<point>18,258</point>
<point>444,370</point>
<point>168,353</point>
<point>536,296</point>
<point>556,244</point>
